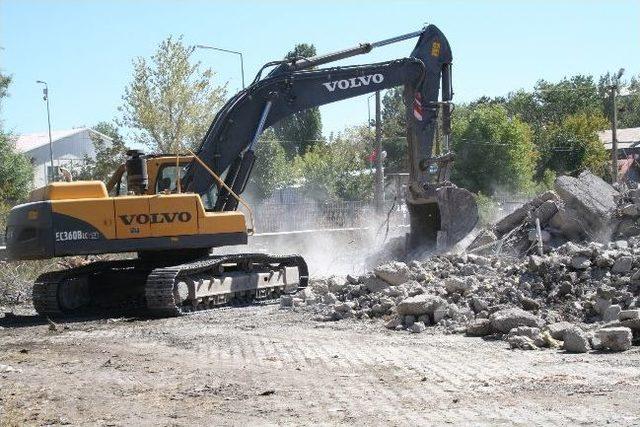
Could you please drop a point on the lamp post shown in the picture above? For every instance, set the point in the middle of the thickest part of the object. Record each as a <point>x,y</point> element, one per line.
<point>201,46</point>
<point>45,97</point>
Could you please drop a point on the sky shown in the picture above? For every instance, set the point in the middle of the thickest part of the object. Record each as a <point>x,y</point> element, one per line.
<point>84,49</point>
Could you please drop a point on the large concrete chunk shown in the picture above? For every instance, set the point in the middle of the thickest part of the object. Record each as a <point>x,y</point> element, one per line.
<point>507,319</point>
<point>590,200</point>
<point>419,305</point>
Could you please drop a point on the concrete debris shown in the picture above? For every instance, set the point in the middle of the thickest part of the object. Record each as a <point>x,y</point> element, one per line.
<point>615,339</point>
<point>576,341</point>
<point>578,209</point>
<point>581,294</point>
<point>505,320</point>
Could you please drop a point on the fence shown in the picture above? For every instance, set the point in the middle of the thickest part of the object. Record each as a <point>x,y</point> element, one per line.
<point>280,217</point>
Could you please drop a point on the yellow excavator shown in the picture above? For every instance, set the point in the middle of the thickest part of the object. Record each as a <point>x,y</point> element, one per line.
<point>171,210</point>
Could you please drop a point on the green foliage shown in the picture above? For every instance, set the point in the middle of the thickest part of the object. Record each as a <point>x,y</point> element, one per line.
<point>16,171</point>
<point>577,134</point>
<point>337,170</point>
<point>109,154</point>
<point>301,131</point>
<point>494,151</point>
<point>394,130</point>
<point>578,94</point>
<point>628,99</point>
<point>272,169</point>
<point>170,101</point>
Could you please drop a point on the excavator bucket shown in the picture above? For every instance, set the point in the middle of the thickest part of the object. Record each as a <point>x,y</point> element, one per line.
<point>446,220</point>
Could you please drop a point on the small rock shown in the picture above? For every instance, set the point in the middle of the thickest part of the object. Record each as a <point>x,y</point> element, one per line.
<point>530,304</point>
<point>479,328</point>
<point>417,327</point>
<point>580,262</point>
<point>576,341</point>
<point>393,323</point>
<point>286,301</point>
<point>394,273</point>
<point>419,305</point>
<point>521,342</point>
<point>456,285</point>
<point>615,339</point>
<point>611,313</point>
<point>479,304</point>
<point>622,265</point>
<point>409,320</point>
<point>557,330</point>
<point>629,314</point>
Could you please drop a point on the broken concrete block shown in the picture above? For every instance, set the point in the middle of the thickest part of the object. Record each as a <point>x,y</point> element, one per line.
<point>576,341</point>
<point>615,339</point>
<point>521,342</point>
<point>629,314</point>
<point>479,328</point>
<point>590,199</point>
<point>622,265</point>
<point>394,273</point>
<point>419,305</point>
<point>611,313</point>
<point>505,320</point>
<point>558,329</point>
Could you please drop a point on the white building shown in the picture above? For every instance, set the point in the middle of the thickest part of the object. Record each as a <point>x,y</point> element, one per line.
<point>70,148</point>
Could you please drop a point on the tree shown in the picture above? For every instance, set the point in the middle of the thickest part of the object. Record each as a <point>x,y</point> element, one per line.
<point>394,130</point>
<point>495,152</point>
<point>628,99</point>
<point>337,170</point>
<point>110,153</point>
<point>573,144</point>
<point>578,94</point>
<point>303,130</point>
<point>170,101</point>
<point>16,171</point>
<point>272,169</point>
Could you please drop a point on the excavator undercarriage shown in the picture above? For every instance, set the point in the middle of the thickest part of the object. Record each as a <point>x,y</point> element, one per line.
<point>146,288</point>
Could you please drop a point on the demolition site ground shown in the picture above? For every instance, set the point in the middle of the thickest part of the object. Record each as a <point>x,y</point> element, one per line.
<point>268,365</point>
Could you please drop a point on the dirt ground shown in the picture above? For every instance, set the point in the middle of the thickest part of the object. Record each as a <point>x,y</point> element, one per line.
<point>261,366</point>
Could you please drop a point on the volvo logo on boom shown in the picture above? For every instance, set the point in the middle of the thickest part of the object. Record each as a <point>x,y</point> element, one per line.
<point>354,82</point>
<point>156,218</point>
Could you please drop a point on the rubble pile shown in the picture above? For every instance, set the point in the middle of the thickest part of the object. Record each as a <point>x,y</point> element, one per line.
<point>583,208</point>
<point>586,296</point>
<point>541,277</point>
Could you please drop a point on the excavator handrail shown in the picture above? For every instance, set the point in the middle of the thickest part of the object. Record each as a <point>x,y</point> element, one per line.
<point>220,181</point>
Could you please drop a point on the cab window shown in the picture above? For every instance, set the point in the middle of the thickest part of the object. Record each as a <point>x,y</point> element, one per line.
<point>168,178</point>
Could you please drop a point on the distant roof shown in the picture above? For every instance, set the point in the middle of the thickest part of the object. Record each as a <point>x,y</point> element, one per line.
<point>31,141</point>
<point>627,137</point>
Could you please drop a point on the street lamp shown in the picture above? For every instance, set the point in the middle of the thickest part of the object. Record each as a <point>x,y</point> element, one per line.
<point>45,97</point>
<point>201,46</point>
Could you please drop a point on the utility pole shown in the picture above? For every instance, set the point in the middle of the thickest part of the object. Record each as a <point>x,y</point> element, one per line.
<point>45,97</point>
<point>614,125</point>
<point>614,136</point>
<point>379,184</point>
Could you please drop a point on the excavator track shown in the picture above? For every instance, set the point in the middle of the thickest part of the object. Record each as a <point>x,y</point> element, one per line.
<point>142,288</point>
<point>161,292</point>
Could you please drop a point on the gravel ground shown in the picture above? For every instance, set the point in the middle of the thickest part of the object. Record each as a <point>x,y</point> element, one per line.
<point>262,365</point>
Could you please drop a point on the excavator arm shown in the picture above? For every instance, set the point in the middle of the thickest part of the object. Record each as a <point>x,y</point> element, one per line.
<point>295,85</point>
